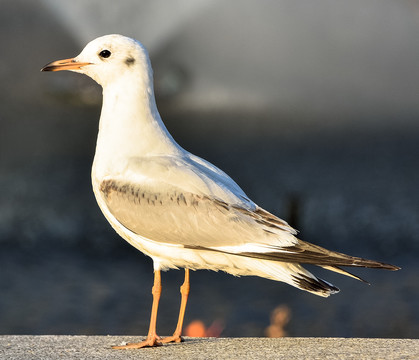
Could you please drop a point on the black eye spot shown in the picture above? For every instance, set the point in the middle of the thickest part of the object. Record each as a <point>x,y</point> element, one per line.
<point>129,61</point>
<point>105,54</point>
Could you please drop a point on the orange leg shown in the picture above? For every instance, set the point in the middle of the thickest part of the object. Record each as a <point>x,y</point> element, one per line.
<point>184,290</point>
<point>152,338</point>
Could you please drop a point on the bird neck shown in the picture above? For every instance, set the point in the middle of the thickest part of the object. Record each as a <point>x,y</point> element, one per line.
<point>130,125</point>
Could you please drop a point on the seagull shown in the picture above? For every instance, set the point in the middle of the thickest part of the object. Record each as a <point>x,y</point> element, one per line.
<point>176,207</point>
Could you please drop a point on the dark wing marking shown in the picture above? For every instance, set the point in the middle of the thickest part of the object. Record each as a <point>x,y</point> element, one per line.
<point>307,283</point>
<point>267,219</point>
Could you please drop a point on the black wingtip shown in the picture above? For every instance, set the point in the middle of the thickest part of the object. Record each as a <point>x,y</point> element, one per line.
<point>389,267</point>
<point>315,285</point>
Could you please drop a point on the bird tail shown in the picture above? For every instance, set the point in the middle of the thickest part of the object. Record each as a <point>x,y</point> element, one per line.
<point>306,253</point>
<point>305,280</point>
<point>290,273</point>
<point>283,264</point>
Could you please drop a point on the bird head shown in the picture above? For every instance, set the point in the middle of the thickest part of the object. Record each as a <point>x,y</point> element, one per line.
<point>107,59</point>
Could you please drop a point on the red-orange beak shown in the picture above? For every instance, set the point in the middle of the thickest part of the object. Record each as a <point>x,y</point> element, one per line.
<point>66,64</point>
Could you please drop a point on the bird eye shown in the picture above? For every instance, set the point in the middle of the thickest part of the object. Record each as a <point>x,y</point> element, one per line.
<point>105,54</point>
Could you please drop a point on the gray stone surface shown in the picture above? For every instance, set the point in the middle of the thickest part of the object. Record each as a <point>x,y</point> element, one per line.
<point>99,347</point>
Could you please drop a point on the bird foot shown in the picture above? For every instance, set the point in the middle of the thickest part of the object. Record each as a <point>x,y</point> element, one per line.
<point>151,341</point>
<point>174,338</point>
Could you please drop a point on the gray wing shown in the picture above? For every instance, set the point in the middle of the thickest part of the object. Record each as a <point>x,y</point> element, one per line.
<point>191,205</point>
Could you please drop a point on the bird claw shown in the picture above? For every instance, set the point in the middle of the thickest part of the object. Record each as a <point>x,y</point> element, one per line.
<point>149,342</point>
<point>174,338</point>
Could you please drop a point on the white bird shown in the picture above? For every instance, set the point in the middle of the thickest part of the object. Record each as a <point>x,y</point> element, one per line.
<point>175,207</point>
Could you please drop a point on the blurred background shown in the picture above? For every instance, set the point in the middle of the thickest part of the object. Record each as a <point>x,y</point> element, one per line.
<point>312,107</point>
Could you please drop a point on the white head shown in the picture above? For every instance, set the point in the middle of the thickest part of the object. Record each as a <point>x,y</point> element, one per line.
<point>108,59</point>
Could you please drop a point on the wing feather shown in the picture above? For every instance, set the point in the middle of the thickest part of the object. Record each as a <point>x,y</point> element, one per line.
<point>195,205</point>
<point>188,219</point>
<point>188,201</point>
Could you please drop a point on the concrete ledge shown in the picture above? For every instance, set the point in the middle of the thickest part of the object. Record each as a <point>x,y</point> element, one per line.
<point>98,347</point>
